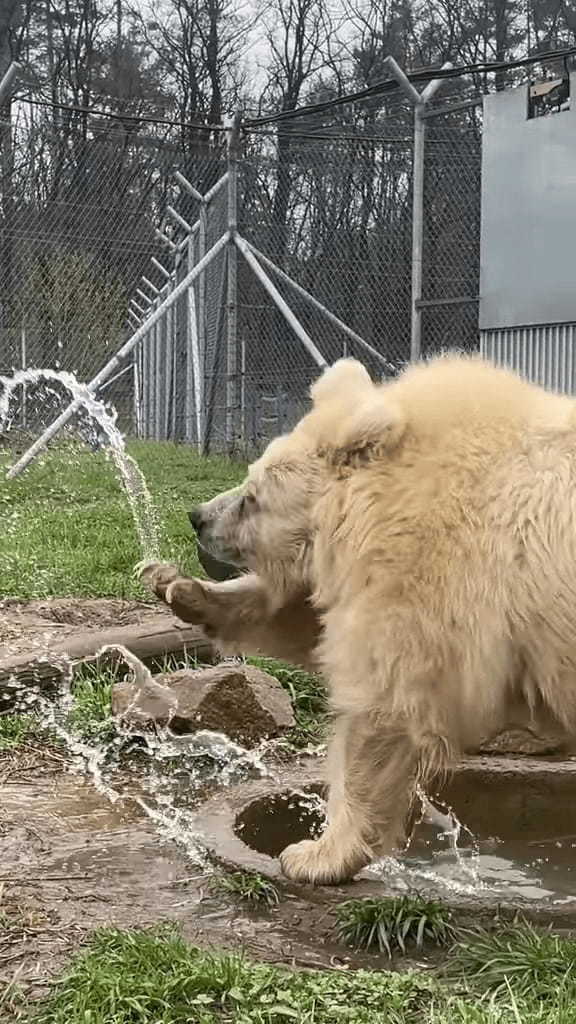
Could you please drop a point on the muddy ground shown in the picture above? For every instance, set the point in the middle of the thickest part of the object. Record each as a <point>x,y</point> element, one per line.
<point>28,626</point>
<point>71,862</point>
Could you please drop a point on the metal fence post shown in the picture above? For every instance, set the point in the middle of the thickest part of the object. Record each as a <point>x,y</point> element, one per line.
<point>194,378</point>
<point>24,366</point>
<point>137,394</point>
<point>201,289</point>
<point>232,286</point>
<point>8,80</point>
<point>418,214</point>
<point>417,231</point>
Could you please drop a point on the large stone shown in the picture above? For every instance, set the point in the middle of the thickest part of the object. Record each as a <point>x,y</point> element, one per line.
<point>241,701</point>
<point>529,742</point>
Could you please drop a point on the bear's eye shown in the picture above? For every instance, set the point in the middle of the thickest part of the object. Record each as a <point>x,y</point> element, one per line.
<point>247,504</point>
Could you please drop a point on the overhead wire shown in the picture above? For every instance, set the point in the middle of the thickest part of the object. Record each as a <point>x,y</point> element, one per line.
<point>381,88</point>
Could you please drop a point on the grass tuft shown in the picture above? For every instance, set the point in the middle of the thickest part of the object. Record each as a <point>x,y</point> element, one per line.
<point>15,730</point>
<point>91,717</point>
<point>535,964</point>
<point>394,924</point>
<point>248,887</point>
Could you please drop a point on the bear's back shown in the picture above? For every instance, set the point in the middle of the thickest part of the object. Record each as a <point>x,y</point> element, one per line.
<point>467,393</point>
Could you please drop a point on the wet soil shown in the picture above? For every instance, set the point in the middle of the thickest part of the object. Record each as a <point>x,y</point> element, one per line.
<point>71,862</point>
<point>32,625</point>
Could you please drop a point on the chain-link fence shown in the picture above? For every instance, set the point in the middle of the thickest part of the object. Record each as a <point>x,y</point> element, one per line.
<point>102,224</point>
<point>451,252</point>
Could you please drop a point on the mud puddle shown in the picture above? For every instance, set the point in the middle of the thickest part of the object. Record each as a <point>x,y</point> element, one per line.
<point>72,862</point>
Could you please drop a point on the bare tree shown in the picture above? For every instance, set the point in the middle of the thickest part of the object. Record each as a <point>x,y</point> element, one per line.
<point>198,46</point>
<point>300,37</point>
<point>12,22</point>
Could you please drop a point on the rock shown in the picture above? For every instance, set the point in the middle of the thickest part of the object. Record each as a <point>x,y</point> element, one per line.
<point>528,742</point>
<point>244,703</point>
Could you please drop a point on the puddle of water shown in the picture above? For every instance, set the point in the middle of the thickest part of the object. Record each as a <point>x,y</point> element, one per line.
<point>500,869</point>
<point>442,855</point>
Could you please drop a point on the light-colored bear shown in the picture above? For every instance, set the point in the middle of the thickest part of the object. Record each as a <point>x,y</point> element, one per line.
<point>416,541</point>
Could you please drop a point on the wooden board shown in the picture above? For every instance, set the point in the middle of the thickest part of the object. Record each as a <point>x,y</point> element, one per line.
<point>152,642</point>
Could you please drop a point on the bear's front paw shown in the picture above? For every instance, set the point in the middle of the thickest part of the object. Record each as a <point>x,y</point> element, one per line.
<point>317,862</point>
<point>188,599</point>
<point>157,576</point>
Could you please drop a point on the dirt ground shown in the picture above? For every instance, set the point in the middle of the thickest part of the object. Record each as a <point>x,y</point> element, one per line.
<point>32,625</point>
<point>72,861</point>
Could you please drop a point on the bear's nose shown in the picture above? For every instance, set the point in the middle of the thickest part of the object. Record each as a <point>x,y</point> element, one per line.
<point>196,517</point>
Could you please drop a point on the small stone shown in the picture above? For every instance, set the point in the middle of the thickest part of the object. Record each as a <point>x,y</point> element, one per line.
<point>243,702</point>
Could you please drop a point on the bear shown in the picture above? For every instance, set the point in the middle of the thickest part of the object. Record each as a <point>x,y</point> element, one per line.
<point>418,537</point>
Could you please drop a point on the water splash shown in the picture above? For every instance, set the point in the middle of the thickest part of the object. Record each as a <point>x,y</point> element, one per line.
<point>141,505</point>
<point>165,775</point>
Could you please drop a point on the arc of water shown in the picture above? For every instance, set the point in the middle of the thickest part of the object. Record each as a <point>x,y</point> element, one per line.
<point>92,386</point>
<point>141,504</point>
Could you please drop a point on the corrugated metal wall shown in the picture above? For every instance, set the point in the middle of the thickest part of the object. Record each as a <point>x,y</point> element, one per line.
<point>544,354</point>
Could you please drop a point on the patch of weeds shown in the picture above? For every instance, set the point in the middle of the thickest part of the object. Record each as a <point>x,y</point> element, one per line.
<point>15,730</point>
<point>308,698</point>
<point>247,886</point>
<point>153,977</point>
<point>536,964</point>
<point>177,663</point>
<point>394,924</point>
<point>91,716</point>
<point>12,1001</point>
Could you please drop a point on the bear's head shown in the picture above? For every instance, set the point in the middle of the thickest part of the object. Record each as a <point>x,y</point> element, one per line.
<point>267,524</point>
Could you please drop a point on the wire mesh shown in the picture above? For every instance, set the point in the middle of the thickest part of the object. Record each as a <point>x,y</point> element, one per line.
<point>330,205</point>
<point>451,251</point>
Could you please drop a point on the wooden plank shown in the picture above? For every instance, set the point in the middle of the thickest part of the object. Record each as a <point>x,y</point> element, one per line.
<point>152,642</point>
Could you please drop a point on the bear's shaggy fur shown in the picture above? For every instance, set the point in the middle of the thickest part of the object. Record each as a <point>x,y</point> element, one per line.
<point>432,523</point>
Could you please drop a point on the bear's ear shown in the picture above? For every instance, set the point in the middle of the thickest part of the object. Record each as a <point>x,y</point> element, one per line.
<point>370,431</point>
<point>344,382</point>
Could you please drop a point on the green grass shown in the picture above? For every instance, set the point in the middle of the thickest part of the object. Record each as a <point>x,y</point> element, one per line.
<point>308,697</point>
<point>392,925</point>
<point>15,730</point>
<point>536,964</point>
<point>153,977</point>
<point>67,529</point>
<point>247,887</point>
<point>91,717</point>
